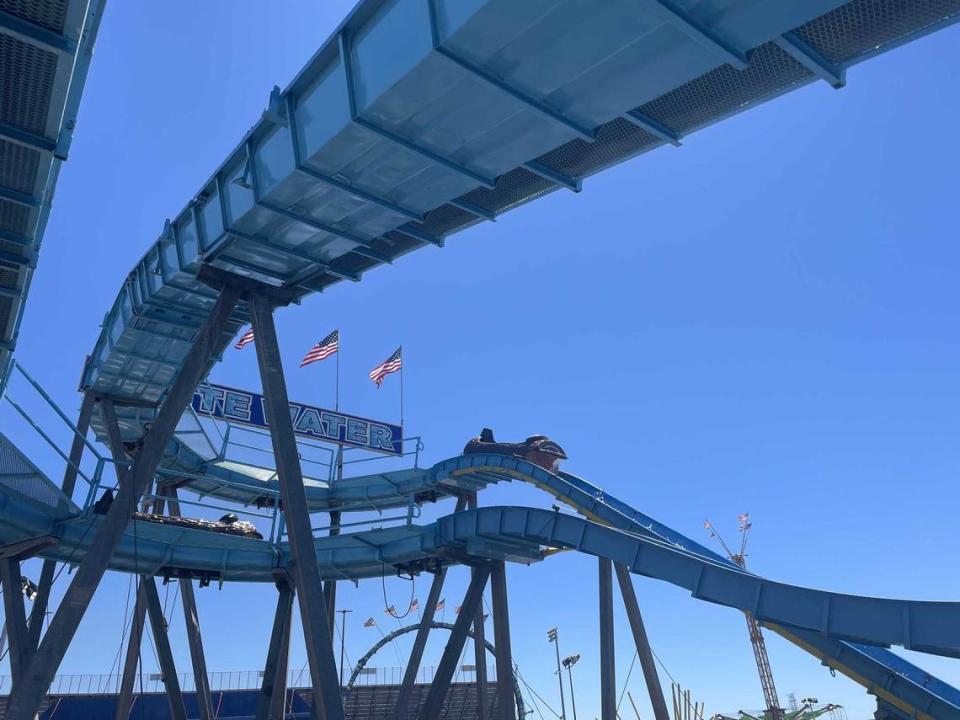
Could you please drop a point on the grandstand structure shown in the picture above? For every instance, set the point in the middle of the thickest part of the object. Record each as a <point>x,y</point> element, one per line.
<point>415,120</point>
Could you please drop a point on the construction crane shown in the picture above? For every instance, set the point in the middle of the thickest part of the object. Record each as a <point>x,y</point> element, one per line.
<point>774,711</point>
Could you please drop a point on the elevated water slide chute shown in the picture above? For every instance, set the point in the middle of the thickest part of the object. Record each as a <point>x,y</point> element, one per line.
<point>831,626</point>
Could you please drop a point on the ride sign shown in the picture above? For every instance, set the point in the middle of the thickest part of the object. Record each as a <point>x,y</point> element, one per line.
<point>242,406</point>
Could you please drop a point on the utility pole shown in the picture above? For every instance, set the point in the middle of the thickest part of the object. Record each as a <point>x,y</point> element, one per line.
<point>343,638</point>
<point>774,711</point>
<point>552,637</point>
<point>568,663</point>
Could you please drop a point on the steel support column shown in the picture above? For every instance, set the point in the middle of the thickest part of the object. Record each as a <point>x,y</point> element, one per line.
<point>419,643</point>
<point>506,707</point>
<point>15,615</point>
<point>608,676</point>
<point>330,586</point>
<point>306,570</point>
<point>644,652</point>
<point>479,640</point>
<point>39,610</point>
<point>274,687</point>
<point>25,701</point>
<point>129,678</point>
<point>191,619</point>
<point>451,653</point>
<point>161,641</point>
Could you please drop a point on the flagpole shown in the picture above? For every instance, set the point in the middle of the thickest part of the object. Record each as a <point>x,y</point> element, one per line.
<point>337,406</point>
<point>401,387</point>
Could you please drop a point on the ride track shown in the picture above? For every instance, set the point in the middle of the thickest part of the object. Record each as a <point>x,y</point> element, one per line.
<point>417,119</point>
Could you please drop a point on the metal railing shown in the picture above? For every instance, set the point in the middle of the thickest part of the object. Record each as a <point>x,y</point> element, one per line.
<point>109,684</point>
<point>329,463</point>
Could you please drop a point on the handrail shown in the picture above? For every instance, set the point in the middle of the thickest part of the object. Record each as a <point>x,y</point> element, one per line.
<point>56,408</point>
<point>50,441</point>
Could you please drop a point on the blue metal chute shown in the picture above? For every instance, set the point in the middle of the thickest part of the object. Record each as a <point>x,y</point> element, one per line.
<point>45,49</point>
<point>419,118</point>
<point>829,625</point>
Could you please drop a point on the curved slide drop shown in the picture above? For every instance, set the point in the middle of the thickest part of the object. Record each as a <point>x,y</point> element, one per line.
<point>828,625</point>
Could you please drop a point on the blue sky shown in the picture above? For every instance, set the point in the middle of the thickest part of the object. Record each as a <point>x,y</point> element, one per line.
<point>763,320</point>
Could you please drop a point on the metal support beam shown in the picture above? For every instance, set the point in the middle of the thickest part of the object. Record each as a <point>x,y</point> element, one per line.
<point>473,209</point>
<point>25,701</point>
<point>15,616</point>
<point>39,610</point>
<point>36,35</point>
<point>608,672</point>
<point>699,33</point>
<point>161,641</point>
<point>812,60</point>
<point>23,137</point>
<point>451,653</point>
<point>506,707</point>
<point>538,168</point>
<point>347,63</point>
<point>540,108</point>
<point>479,639</point>
<point>330,586</point>
<point>645,122</point>
<point>129,677</point>
<point>361,194</point>
<point>419,644</point>
<point>274,687</point>
<point>19,197</point>
<point>192,621</point>
<point>644,652</point>
<point>304,565</point>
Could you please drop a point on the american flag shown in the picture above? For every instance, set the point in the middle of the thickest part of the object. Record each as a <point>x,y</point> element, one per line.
<point>390,365</point>
<point>415,605</point>
<point>245,339</point>
<point>391,611</point>
<point>323,349</point>
<point>369,622</point>
<point>442,604</point>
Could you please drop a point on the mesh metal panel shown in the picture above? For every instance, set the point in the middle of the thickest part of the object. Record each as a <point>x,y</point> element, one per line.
<point>26,78</point>
<point>17,475</point>
<point>12,248</point>
<point>444,219</point>
<point>49,14</point>
<point>18,166</point>
<point>8,276</point>
<point>14,217</point>
<point>616,140</point>
<point>512,188</point>
<point>864,25</point>
<point>726,89</point>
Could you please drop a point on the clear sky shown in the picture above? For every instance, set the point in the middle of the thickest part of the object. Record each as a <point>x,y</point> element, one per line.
<point>763,320</point>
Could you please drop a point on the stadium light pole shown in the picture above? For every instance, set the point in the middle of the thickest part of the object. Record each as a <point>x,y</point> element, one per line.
<point>552,637</point>
<point>568,663</point>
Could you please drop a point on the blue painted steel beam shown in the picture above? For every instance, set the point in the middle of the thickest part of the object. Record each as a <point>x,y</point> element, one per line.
<point>19,260</point>
<point>23,137</point>
<point>420,235</point>
<point>542,109</point>
<point>19,197</point>
<point>315,224</point>
<point>702,35</point>
<point>362,194</point>
<point>37,35</point>
<point>653,127</point>
<point>318,265</point>
<point>538,168</point>
<point>473,209</point>
<point>10,293</point>
<point>344,46</point>
<point>812,60</point>
<point>15,238</point>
